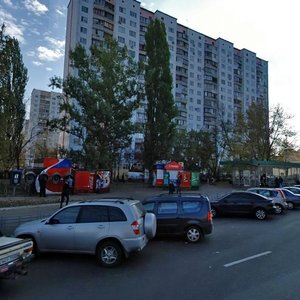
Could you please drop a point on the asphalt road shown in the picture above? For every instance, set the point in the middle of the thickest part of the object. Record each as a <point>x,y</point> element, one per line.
<point>243,259</point>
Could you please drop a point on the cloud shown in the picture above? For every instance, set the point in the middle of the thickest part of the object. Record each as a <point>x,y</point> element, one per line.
<point>8,2</point>
<point>49,69</point>
<point>57,43</point>
<point>47,54</point>
<point>12,28</point>
<point>36,7</point>
<point>37,63</point>
<point>59,12</point>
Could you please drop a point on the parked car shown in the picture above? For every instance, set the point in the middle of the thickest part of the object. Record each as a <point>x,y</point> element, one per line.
<point>15,255</point>
<point>294,189</point>
<point>273,193</point>
<point>185,214</point>
<point>243,203</point>
<point>107,228</point>
<point>292,199</point>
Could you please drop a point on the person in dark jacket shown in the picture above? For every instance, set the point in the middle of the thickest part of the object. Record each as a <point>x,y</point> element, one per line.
<point>43,183</point>
<point>65,193</point>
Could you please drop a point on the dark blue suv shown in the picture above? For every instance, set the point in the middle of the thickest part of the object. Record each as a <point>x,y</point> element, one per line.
<point>186,214</point>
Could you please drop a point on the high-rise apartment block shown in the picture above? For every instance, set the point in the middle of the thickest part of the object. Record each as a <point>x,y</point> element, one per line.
<point>212,80</point>
<point>44,107</point>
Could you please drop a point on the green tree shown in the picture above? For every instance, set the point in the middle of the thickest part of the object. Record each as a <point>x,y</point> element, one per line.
<point>13,80</point>
<point>106,89</point>
<point>258,134</point>
<point>160,127</point>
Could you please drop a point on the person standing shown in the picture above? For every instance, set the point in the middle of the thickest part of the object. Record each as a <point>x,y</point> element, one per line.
<point>65,194</point>
<point>43,183</point>
<point>178,183</point>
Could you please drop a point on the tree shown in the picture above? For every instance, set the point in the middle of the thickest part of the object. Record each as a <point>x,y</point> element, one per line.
<point>13,80</point>
<point>106,89</point>
<point>160,127</point>
<point>258,134</point>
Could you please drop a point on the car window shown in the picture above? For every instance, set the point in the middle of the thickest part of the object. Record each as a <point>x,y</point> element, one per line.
<point>273,193</point>
<point>149,206</point>
<point>67,216</point>
<point>266,193</point>
<point>138,209</point>
<point>233,197</point>
<point>93,213</point>
<point>116,214</point>
<point>167,208</point>
<point>191,206</point>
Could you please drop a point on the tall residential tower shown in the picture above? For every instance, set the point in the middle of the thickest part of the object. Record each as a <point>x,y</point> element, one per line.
<point>211,78</point>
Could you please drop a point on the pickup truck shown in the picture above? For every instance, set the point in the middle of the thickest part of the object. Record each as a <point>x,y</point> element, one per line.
<point>15,254</point>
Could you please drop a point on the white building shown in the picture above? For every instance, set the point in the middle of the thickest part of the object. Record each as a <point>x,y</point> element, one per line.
<point>211,78</point>
<point>44,106</point>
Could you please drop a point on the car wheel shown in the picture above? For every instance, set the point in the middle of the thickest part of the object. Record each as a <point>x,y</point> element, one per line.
<point>109,254</point>
<point>290,205</point>
<point>279,209</point>
<point>193,234</point>
<point>35,249</point>
<point>260,214</point>
<point>150,225</point>
<point>213,212</point>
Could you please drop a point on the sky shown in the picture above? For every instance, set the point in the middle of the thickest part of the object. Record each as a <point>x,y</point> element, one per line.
<point>267,27</point>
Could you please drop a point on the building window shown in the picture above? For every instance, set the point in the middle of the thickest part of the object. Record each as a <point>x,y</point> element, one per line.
<point>131,53</point>
<point>132,33</point>
<point>83,30</point>
<point>121,39</point>
<point>84,9</point>
<point>132,44</point>
<point>122,9</point>
<point>82,41</point>
<point>132,23</point>
<point>122,20</point>
<point>121,29</point>
<point>84,19</point>
<point>133,14</point>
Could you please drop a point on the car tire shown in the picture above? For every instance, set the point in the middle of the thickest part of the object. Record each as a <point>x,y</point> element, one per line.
<point>279,209</point>
<point>260,214</point>
<point>214,212</point>
<point>150,225</point>
<point>291,205</point>
<point>193,234</point>
<point>35,249</point>
<point>109,254</point>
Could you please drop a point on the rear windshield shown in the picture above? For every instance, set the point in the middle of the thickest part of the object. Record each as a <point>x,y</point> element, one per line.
<point>138,209</point>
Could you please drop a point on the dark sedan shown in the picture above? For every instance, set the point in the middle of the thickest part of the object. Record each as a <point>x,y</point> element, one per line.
<point>292,199</point>
<point>243,203</point>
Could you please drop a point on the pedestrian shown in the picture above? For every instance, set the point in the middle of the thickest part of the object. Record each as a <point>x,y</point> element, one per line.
<point>280,181</point>
<point>70,182</point>
<point>171,187</point>
<point>43,183</point>
<point>178,183</point>
<point>277,185</point>
<point>65,193</point>
<point>123,178</point>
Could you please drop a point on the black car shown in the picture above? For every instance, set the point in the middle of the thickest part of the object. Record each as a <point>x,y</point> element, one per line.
<point>243,203</point>
<point>185,214</point>
<point>292,199</point>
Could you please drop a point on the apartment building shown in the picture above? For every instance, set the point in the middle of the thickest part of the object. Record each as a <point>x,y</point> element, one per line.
<point>212,79</point>
<point>44,106</point>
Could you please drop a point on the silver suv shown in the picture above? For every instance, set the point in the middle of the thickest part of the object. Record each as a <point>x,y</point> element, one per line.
<point>110,229</point>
